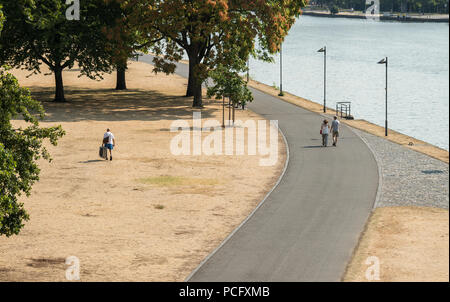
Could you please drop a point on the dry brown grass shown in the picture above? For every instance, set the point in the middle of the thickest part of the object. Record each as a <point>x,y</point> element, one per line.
<point>412,244</point>
<point>120,228</point>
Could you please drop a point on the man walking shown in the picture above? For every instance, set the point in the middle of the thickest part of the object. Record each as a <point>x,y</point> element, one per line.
<point>109,141</point>
<point>335,130</point>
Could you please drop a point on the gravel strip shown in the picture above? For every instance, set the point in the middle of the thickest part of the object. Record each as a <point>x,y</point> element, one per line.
<point>409,178</point>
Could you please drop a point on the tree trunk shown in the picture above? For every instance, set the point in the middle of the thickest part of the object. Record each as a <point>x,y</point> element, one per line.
<point>59,86</point>
<point>190,88</point>
<point>194,83</point>
<point>121,83</point>
<point>198,101</point>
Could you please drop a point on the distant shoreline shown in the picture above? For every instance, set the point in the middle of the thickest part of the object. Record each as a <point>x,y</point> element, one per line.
<point>383,17</point>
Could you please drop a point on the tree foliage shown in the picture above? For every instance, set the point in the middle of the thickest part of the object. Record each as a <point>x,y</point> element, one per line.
<point>20,148</point>
<point>37,31</point>
<point>126,36</point>
<point>208,30</point>
<point>228,83</point>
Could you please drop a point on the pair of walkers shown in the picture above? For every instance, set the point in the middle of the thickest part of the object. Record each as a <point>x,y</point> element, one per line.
<point>326,129</point>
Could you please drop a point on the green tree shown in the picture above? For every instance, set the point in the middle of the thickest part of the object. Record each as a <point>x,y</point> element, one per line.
<point>227,81</point>
<point>206,30</point>
<point>127,36</point>
<point>334,9</point>
<point>230,84</point>
<point>37,31</point>
<point>20,148</point>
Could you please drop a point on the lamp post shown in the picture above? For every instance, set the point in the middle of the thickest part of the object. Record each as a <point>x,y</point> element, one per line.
<point>281,71</point>
<point>385,61</point>
<point>324,50</point>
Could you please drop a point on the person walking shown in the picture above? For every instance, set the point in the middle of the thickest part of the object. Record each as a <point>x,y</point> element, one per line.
<point>325,130</point>
<point>335,130</point>
<point>109,141</point>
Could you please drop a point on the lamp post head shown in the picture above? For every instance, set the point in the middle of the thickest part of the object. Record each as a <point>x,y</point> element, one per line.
<point>384,61</point>
<point>323,49</point>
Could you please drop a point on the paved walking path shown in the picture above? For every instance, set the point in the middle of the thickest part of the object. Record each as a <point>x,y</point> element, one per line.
<point>307,228</point>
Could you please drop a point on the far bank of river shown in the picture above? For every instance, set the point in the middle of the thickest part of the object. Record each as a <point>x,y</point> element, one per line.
<point>440,18</point>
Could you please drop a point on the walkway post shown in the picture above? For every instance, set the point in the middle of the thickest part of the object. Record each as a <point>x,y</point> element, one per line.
<point>324,50</point>
<point>229,111</point>
<point>223,111</point>
<point>234,112</point>
<point>385,61</point>
<point>281,71</point>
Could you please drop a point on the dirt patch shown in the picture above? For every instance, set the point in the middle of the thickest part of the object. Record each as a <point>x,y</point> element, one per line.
<point>168,180</point>
<point>411,244</point>
<point>45,262</point>
<point>394,136</point>
<point>120,228</point>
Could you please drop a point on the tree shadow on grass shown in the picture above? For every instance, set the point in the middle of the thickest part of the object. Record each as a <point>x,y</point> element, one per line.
<point>113,105</point>
<point>92,161</point>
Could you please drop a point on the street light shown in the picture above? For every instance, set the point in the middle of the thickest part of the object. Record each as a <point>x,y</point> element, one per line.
<point>385,61</point>
<point>281,71</point>
<point>324,50</point>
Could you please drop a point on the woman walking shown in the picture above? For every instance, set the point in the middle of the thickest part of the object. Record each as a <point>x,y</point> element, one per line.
<point>325,130</point>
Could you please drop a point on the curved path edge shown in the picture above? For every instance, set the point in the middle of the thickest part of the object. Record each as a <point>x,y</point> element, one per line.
<point>250,215</point>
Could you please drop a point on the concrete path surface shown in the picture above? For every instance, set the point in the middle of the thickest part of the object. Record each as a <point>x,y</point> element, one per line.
<point>308,226</point>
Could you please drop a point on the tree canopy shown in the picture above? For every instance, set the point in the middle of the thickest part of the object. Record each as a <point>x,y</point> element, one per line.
<point>37,31</point>
<point>207,30</point>
<point>126,36</point>
<point>228,83</point>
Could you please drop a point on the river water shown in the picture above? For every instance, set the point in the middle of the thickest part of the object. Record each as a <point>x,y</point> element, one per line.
<point>418,74</point>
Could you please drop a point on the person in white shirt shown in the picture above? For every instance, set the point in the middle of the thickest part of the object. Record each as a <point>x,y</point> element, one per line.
<point>335,130</point>
<point>109,141</point>
<point>325,130</point>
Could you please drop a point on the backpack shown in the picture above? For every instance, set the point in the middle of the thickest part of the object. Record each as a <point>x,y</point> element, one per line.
<point>106,140</point>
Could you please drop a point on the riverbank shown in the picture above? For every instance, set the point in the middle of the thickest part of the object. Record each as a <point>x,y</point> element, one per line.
<point>148,215</point>
<point>436,18</point>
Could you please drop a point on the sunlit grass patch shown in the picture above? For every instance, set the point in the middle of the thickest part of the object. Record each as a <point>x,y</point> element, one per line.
<point>167,181</point>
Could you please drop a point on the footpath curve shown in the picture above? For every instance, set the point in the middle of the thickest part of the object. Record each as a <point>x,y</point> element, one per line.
<point>308,226</point>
